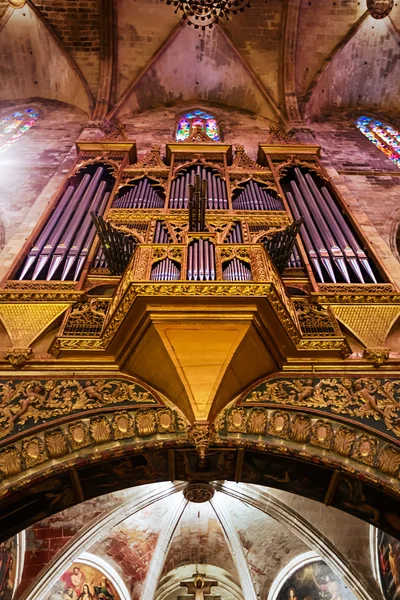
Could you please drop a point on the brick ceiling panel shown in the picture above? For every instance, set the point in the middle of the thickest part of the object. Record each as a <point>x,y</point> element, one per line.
<point>198,65</point>
<point>141,32</point>
<point>257,33</point>
<point>365,73</point>
<point>77,24</point>
<point>322,25</point>
<point>34,66</point>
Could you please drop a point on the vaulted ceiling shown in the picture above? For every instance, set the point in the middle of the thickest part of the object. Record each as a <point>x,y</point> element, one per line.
<point>280,59</point>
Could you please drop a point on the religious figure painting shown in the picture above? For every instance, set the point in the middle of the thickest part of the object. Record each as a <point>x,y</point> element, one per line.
<point>8,565</point>
<point>314,581</point>
<point>389,565</point>
<point>83,582</point>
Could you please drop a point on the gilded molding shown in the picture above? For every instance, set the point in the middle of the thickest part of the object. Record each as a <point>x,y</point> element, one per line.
<point>274,292</point>
<point>340,345</point>
<point>305,429</point>
<point>375,403</point>
<point>35,402</point>
<point>277,218</point>
<point>360,298</point>
<point>201,434</point>
<point>377,356</point>
<point>65,439</point>
<point>355,288</point>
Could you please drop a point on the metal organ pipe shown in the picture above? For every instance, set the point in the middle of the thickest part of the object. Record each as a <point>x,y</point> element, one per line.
<point>66,239</point>
<point>44,235</point>
<point>58,228</point>
<point>141,195</point>
<point>313,231</point>
<point>217,197</point>
<point>201,260</point>
<point>341,221</point>
<point>306,238</point>
<point>314,200</point>
<point>236,270</point>
<point>326,230</point>
<point>252,196</point>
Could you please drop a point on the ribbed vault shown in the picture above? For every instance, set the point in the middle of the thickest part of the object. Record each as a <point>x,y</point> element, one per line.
<point>265,60</point>
<point>240,521</point>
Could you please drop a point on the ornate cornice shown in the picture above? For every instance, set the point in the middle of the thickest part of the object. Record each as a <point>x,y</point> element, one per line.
<point>30,404</point>
<point>366,402</point>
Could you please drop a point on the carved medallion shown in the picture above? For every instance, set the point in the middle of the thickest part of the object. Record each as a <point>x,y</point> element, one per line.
<point>198,492</point>
<point>378,9</point>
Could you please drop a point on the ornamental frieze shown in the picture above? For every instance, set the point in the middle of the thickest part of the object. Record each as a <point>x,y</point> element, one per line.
<point>27,404</point>
<point>265,424</point>
<point>374,403</point>
<point>138,426</point>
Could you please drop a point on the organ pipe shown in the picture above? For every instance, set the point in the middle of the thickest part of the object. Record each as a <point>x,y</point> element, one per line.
<point>201,260</point>
<point>141,195</point>
<point>235,236</point>
<point>236,270</point>
<point>252,196</point>
<point>326,235</point>
<point>216,195</point>
<point>161,235</point>
<point>165,270</point>
<point>66,238</point>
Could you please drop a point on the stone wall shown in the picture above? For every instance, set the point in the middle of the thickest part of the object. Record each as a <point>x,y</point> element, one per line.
<point>33,169</point>
<point>159,125</point>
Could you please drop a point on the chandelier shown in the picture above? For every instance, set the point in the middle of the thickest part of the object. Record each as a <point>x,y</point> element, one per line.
<point>204,13</point>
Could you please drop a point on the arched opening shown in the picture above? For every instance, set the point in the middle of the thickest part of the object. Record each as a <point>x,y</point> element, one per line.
<point>197,120</point>
<point>382,135</point>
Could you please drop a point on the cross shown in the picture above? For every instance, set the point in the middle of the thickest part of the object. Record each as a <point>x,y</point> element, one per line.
<point>199,587</point>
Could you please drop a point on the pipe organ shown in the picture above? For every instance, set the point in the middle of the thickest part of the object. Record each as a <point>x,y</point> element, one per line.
<point>332,247</point>
<point>242,204</point>
<point>142,194</point>
<point>217,197</point>
<point>62,246</point>
<point>253,196</point>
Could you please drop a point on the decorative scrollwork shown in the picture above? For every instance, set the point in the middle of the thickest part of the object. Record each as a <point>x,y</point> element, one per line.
<point>86,319</point>
<point>363,399</point>
<point>27,403</point>
<point>315,320</point>
<point>18,357</point>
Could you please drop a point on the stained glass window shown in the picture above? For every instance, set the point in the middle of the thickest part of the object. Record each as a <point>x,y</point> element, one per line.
<point>13,126</point>
<point>383,136</point>
<point>197,118</point>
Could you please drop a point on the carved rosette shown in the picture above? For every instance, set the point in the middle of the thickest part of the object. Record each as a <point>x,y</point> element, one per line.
<point>198,492</point>
<point>379,9</point>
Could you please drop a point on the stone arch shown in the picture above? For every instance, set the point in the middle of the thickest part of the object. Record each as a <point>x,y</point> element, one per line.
<point>109,434</point>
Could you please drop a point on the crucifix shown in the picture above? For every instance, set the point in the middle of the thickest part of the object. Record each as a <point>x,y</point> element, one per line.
<point>199,587</point>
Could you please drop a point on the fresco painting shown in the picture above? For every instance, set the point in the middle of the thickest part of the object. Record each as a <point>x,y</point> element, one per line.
<point>314,581</point>
<point>8,566</point>
<point>389,565</point>
<point>83,582</point>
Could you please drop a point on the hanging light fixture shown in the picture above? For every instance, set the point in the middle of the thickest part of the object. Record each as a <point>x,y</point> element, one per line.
<point>204,13</point>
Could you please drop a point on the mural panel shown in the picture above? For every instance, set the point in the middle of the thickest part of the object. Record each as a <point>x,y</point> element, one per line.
<point>8,566</point>
<point>389,565</point>
<point>83,582</point>
<point>314,581</point>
